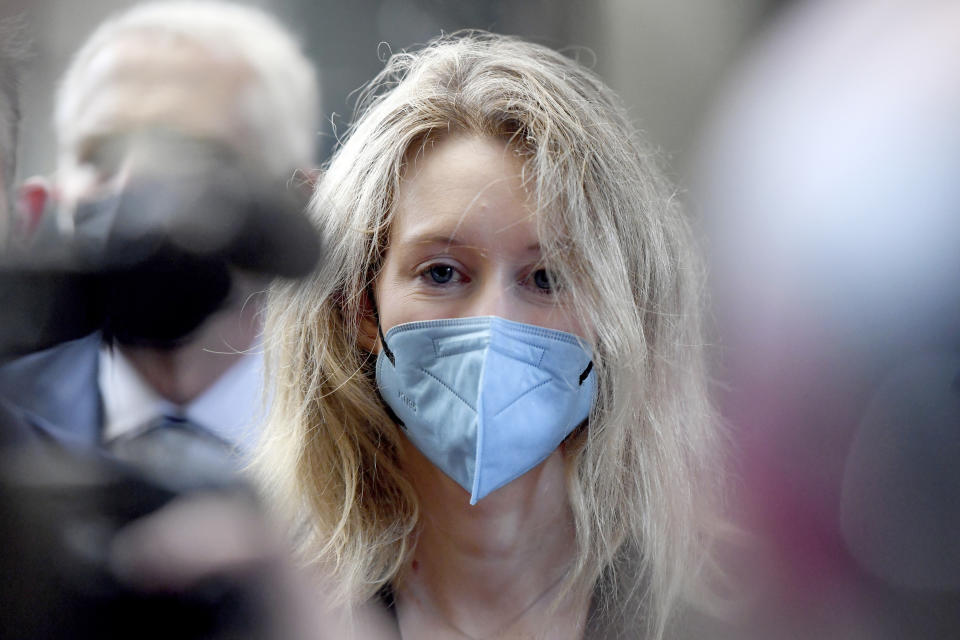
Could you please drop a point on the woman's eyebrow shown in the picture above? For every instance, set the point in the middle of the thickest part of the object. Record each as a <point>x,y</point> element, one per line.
<point>448,240</point>
<point>430,238</point>
<point>438,238</point>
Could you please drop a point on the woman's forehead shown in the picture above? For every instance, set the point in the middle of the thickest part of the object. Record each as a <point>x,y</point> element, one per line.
<point>460,160</point>
<point>463,187</point>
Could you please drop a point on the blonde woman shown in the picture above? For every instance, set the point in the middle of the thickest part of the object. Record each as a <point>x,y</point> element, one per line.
<point>490,406</point>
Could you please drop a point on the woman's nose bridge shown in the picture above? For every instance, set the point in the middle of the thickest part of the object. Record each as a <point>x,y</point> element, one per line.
<point>495,297</point>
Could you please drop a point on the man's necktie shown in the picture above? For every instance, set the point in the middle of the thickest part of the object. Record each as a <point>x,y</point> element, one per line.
<point>178,454</point>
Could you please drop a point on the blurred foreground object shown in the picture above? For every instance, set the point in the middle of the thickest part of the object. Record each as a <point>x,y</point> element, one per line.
<point>149,263</point>
<point>829,178</point>
<point>61,515</point>
<point>91,549</point>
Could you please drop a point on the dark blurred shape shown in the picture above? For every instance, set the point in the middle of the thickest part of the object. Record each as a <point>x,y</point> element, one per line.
<point>198,196</point>
<point>42,307</point>
<point>900,507</point>
<point>148,264</point>
<point>60,515</point>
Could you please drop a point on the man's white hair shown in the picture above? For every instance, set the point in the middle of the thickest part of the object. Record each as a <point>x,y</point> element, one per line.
<point>281,105</point>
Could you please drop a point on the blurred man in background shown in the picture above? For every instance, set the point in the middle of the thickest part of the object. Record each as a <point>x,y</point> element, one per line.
<point>169,90</point>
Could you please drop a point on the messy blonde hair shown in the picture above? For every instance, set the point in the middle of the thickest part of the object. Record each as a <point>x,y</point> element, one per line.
<point>640,477</point>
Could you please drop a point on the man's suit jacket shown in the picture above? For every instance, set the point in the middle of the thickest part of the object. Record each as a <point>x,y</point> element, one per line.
<point>56,392</point>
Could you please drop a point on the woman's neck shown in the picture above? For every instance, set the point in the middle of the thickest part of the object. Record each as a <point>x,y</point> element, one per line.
<point>495,568</point>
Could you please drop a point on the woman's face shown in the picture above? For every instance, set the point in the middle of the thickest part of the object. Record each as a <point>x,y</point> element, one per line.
<point>464,242</point>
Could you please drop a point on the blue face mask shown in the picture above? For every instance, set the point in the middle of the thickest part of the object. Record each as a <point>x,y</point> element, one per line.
<point>485,399</point>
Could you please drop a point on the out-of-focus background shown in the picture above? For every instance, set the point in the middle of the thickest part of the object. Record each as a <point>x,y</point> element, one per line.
<point>818,145</point>
<point>665,58</point>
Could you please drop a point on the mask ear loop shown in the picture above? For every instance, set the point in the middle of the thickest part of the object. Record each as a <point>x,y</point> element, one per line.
<point>583,376</point>
<point>387,352</point>
<point>376,315</point>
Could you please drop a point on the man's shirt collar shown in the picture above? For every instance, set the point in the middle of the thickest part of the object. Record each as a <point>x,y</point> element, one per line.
<point>228,409</point>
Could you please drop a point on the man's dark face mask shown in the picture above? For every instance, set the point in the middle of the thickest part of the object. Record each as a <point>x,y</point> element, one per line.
<point>154,292</point>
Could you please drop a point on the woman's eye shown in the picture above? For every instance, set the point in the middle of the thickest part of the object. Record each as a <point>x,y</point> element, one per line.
<point>543,280</point>
<point>440,273</point>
